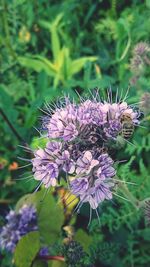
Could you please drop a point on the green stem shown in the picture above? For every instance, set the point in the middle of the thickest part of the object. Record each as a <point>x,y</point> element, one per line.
<point>11,126</point>
<point>6,30</point>
<point>123,187</point>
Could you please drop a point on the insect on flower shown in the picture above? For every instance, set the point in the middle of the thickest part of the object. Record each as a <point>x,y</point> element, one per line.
<point>127,126</point>
<point>79,147</point>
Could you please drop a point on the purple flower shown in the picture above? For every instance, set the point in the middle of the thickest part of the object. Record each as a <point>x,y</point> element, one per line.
<point>98,193</point>
<point>28,220</point>
<point>67,123</point>
<point>49,162</point>
<point>79,186</point>
<point>62,123</point>
<point>53,148</point>
<point>106,170</point>
<point>44,251</point>
<point>18,224</point>
<point>8,238</point>
<point>65,162</point>
<point>112,129</point>
<point>91,112</point>
<point>70,132</point>
<point>81,132</point>
<point>95,185</point>
<point>45,167</point>
<point>86,163</point>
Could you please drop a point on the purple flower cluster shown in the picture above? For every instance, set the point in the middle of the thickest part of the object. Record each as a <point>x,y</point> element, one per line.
<point>79,139</point>
<point>18,224</point>
<point>48,163</point>
<point>94,183</point>
<point>69,123</point>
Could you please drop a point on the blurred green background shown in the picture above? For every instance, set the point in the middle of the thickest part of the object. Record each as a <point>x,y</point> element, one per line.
<point>54,48</point>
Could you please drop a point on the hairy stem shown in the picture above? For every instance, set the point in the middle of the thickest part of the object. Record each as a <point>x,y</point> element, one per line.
<point>123,187</point>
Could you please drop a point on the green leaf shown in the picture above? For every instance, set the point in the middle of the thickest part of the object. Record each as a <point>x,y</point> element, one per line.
<point>53,28</point>
<point>9,109</point>
<point>55,42</point>
<point>144,233</point>
<point>51,67</point>
<point>84,239</point>
<point>39,263</point>
<point>78,64</point>
<point>37,142</point>
<point>27,249</point>
<point>56,264</point>
<point>50,215</point>
<point>6,101</point>
<point>124,34</point>
<point>38,64</point>
<point>27,199</point>
<point>45,24</point>
<point>65,64</point>
<point>57,19</point>
<point>148,3</point>
<point>60,60</point>
<point>50,218</point>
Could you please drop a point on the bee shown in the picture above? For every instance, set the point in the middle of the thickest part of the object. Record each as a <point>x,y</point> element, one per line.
<point>127,126</point>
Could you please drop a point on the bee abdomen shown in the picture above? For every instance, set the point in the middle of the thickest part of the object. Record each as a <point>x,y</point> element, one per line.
<point>127,130</point>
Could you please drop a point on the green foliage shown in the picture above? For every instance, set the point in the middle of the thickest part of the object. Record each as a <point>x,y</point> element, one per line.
<point>105,253</point>
<point>62,67</point>
<point>50,221</point>
<point>84,239</point>
<point>50,215</point>
<point>36,142</point>
<point>39,263</point>
<point>49,49</point>
<point>75,256</point>
<point>56,264</point>
<point>26,249</point>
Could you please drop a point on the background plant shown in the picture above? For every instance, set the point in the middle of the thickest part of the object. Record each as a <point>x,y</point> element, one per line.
<point>98,39</point>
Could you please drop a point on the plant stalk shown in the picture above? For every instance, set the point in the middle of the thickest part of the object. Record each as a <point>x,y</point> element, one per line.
<point>123,187</point>
<point>47,258</point>
<point>12,127</point>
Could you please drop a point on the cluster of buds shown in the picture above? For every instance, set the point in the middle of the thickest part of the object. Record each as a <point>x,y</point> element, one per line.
<point>145,103</point>
<point>140,59</point>
<point>78,147</point>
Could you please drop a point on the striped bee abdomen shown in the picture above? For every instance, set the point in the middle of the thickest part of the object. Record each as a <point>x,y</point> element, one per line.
<point>127,129</point>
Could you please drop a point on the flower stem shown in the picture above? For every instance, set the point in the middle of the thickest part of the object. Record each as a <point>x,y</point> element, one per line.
<point>123,187</point>
<point>57,258</point>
